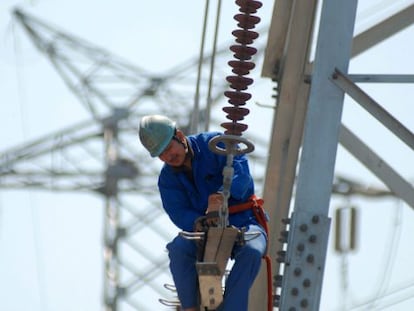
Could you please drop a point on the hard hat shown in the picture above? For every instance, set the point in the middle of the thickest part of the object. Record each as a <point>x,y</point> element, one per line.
<point>155,133</point>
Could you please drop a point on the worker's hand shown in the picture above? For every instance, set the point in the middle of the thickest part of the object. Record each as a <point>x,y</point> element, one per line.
<point>200,224</point>
<point>215,201</point>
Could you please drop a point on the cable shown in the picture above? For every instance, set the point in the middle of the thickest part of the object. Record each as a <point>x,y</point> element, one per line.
<point>36,241</point>
<point>376,303</point>
<point>407,297</point>
<point>213,58</point>
<point>391,250</point>
<point>402,288</point>
<point>391,255</point>
<point>345,280</point>
<point>195,113</point>
<point>21,92</point>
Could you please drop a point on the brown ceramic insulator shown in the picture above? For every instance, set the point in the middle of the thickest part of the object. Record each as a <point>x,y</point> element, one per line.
<point>243,52</point>
<point>248,6</point>
<point>246,21</point>
<point>237,98</point>
<point>245,36</point>
<point>236,113</point>
<point>239,83</point>
<point>241,68</point>
<point>234,128</point>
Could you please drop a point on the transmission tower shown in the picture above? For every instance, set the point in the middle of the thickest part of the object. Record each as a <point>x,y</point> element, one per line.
<point>309,119</point>
<point>97,156</point>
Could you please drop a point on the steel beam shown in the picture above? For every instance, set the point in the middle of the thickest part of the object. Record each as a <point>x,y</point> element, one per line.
<point>309,229</point>
<point>381,78</point>
<point>289,119</point>
<point>378,166</point>
<point>278,34</point>
<point>383,30</point>
<point>370,105</point>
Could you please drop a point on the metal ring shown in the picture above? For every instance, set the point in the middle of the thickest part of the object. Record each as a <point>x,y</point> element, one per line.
<point>230,141</point>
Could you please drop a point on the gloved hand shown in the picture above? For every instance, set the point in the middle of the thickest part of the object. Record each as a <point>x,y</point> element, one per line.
<point>200,224</point>
<point>215,202</point>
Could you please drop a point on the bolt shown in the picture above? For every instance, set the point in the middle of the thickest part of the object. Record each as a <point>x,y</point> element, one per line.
<point>315,219</point>
<point>297,272</point>
<point>303,227</point>
<point>294,291</point>
<point>304,303</point>
<point>286,221</point>
<point>310,258</point>
<point>306,283</point>
<point>278,280</point>
<point>284,233</point>
<point>301,247</point>
<point>281,256</point>
<point>312,238</point>
<point>276,301</point>
<point>284,236</point>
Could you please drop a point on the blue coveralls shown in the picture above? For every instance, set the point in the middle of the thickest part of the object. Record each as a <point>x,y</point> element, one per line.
<point>185,201</point>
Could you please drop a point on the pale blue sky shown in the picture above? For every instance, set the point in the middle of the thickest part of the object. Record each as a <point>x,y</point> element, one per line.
<point>51,244</point>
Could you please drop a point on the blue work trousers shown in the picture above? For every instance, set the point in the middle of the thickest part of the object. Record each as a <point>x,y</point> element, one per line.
<point>247,261</point>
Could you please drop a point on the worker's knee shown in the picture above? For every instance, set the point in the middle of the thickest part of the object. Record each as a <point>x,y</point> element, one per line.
<point>250,255</point>
<point>256,244</point>
<point>181,248</point>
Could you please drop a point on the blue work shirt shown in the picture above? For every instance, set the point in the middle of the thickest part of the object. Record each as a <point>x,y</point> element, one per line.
<point>184,200</point>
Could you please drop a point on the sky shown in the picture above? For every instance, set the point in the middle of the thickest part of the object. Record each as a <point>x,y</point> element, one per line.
<point>51,243</point>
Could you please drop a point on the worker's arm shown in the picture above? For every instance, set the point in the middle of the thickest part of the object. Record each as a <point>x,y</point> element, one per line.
<point>242,181</point>
<point>176,203</point>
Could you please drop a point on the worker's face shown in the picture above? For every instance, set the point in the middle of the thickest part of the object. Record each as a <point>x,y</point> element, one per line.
<point>175,152</point>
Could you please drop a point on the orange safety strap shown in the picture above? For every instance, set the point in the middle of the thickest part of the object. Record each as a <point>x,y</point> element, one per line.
<point>256,205</point>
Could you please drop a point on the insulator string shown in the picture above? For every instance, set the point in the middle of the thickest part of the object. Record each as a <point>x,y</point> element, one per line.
<point>241,67</point>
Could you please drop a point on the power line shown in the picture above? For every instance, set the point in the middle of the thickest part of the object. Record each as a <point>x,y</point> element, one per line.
<point>385,304</point>
<point>391,251</point>
<point>21,98</point>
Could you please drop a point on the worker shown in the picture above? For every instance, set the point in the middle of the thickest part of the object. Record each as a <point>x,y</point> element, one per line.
<point>189,183</point>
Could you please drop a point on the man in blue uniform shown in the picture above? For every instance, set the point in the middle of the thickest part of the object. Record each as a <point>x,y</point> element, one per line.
<point>190,183</point>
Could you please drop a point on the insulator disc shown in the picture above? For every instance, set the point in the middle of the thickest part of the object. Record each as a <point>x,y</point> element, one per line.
<point>246,21</point>
<point>248,6</point>
<point>243,52</point>
<point>245,36</point>
<point>241,68</point>
<point>236,113</point>
<point>237,98</point>
<point>239,83</point>
<point>233,128</point>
